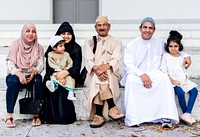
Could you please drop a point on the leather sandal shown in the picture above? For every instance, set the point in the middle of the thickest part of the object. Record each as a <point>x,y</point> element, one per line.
<point>11,121</point>
<point>36,121</point>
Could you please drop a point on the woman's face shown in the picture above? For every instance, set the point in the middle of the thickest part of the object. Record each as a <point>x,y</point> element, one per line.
<point>66,36</point>
<point>30,35</point>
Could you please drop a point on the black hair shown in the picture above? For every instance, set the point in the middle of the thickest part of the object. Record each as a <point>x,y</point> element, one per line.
<point>174,36</point>
<point>58,43</point>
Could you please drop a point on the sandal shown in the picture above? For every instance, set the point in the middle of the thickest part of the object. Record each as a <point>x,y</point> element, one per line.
<point>36,121</point>
<point>10,123</point>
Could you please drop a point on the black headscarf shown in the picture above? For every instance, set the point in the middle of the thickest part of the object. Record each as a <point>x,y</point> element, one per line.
<point>65,27</point>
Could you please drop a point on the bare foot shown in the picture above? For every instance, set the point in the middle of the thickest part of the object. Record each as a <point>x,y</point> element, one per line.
<point>36,121</point>
<point>10,123</point>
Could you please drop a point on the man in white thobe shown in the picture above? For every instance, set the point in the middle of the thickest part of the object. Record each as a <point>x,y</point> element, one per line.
<point>149,96</point>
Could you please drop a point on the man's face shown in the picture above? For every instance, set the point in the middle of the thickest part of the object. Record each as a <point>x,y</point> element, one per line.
<point>102,28</point>
<point>147,30</point>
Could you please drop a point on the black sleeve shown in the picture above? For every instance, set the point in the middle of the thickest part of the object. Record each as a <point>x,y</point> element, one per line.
<point>74,72</point>
<point>49,49</point>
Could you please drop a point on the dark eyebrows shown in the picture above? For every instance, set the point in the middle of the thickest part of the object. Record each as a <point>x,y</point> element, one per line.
<point>147,27</point>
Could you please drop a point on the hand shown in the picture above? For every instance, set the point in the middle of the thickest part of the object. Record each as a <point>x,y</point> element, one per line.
<point>35,72</point>
<point>63,81</point>
<point>62,74</point>
<point>104,67</point>
<point>103,76</point>
<point>187,62</point>
<point>21,76</point>
<point>176,83</point>
<point>28,79</point>
<point>146,80</point>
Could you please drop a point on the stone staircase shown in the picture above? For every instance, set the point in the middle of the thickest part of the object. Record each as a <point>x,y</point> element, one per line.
<point>126,32</point>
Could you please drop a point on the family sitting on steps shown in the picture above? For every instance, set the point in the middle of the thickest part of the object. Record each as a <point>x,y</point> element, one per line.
<point>154,71</point>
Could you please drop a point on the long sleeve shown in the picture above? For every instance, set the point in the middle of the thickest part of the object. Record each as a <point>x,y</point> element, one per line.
<point>76,57</point>
<point>163,65</point>
<point>11,68</point>
<point>40,65</point>
<point>130,61</point>
<point>116,56</point>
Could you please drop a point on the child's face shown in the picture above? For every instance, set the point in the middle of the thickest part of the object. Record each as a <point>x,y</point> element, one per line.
<point>60,48</point>
<point>173,48</point>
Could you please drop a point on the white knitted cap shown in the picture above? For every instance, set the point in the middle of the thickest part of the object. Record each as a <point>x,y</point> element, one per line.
<point>54,40</point>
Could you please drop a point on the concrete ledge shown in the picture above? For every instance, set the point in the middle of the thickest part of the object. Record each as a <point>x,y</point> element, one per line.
<point>80,110</point>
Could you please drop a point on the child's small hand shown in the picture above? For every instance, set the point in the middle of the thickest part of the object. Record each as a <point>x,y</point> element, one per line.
<point>55,74</point>
<point>62,81</point>
<point>176,83</point>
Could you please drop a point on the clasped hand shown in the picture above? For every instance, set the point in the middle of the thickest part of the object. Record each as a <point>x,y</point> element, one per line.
<point>101,71</point>
<point>60,76</point>
<point>25,78</point>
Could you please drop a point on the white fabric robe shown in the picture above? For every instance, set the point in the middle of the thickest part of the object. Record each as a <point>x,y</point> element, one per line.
<point>108,51</point>
<point>143,104</point>
<point>173,66</point>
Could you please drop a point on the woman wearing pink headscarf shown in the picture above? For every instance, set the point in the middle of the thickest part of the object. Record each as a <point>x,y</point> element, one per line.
<point>25,62</point>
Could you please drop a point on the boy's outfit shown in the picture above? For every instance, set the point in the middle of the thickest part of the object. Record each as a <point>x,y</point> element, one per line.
<point>58,65</point>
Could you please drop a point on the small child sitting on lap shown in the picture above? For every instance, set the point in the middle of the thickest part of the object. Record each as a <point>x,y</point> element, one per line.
<point>60,60</point>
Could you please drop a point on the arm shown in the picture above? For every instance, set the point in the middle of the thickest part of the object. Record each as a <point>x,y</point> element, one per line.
<point>187,60</point>
<point>13,70</point>
<point>130,62</point>
<point>52,63</point>
<point>114,62</point>
<point>164,68</point>
<point>68,63</point>
<point>174,82</point>
<point>39,67</point>
<point>76,57</point>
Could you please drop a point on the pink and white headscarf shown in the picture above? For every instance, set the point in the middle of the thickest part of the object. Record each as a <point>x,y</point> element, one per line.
<point>23,54</point>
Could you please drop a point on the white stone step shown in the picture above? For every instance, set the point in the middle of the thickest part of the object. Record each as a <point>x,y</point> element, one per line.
<point>80,110</point>
<point>126,32</point>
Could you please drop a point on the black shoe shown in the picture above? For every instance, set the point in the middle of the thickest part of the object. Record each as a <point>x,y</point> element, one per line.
<point>135,125</point>
<point>166,123</point>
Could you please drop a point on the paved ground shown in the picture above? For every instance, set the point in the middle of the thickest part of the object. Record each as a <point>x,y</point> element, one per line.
<point>110,129</point>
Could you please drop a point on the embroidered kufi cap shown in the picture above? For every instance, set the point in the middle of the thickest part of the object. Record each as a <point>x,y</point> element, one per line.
<point>102,18</point>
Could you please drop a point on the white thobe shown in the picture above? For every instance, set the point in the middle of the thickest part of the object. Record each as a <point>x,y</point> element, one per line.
<point>143,104</point>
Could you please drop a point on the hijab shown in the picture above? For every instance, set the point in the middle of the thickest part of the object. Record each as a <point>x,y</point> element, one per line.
<point>23,54</point>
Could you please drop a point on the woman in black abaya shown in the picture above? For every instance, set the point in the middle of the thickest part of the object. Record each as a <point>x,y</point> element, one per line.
<point>58,109</point>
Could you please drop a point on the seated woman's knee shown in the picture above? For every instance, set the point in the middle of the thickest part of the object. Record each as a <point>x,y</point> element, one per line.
<point>12,79</point>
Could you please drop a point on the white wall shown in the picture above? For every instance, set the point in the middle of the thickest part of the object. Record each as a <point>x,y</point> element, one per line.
<point>118,11</point>
<point>19,11</point>
<point>176,11</point>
